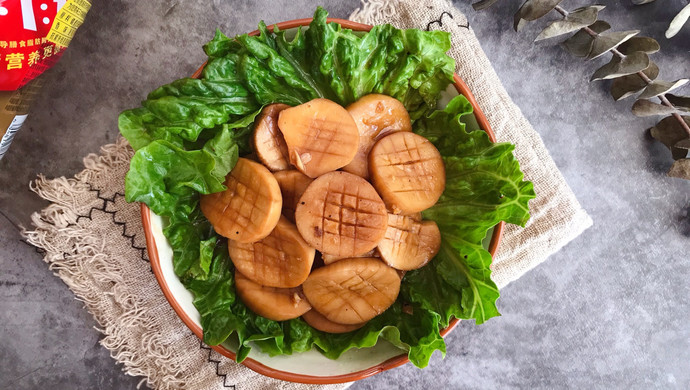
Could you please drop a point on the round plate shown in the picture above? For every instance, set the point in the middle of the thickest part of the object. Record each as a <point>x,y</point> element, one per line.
<point>311,366</point>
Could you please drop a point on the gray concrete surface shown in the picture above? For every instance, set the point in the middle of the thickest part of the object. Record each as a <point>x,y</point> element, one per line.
<point>609,310</point>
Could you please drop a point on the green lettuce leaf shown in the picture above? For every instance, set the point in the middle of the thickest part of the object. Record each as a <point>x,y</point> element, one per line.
<point>189,236</point>
<point>181,110</point>
<point>484,185</point>
<point>165,176</point>
<point>189,134</point>
<point>169,180</point>
<point>229,142</point>
<point>339,64</point>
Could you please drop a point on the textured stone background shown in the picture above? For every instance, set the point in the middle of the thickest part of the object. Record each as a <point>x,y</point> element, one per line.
<point>609,310</point>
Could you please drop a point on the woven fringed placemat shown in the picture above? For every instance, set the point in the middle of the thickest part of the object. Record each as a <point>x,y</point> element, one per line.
<point>93,239</point>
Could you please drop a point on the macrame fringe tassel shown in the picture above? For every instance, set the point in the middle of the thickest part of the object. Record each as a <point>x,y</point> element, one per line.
<point>78,255</point>
<point>373,10</point>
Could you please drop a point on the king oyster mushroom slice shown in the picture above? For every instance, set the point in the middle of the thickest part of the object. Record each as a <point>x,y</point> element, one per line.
<point>277,304</point>
<point>375,116</point>
<point>407,171</point>
<point>328,259</point>
<point>318,321</point>
<point>282,259</point>
<point>269,145</point>
<point>321,136</point>
<point>341,214</point>
<point>292,184</point>
<point>352,291</point>
<point>409,244</point>
<point>249,208</point>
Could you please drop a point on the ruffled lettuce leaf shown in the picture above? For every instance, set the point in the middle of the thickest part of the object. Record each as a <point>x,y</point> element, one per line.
<point>188,135</point>
<point>484,185</point>
<point>169,179</point>
<point>182,110</point>
<point>165,176</point>
<point>327,61</point>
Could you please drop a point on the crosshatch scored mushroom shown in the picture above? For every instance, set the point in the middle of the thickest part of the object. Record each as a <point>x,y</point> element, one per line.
<point>407,171</point>
<point>250,208</point>
<point>375,116</point>
<point>341,214</point>
<point>321,136</point>
<point>282,259</point>
<point>367,233</point>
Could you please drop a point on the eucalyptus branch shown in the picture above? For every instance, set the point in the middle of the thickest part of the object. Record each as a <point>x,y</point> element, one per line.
<point>630,68</point>
<point>643,76</point>
<point>676,115</point>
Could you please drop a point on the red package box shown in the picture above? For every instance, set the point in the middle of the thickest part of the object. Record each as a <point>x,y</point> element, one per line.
<point>33,36</point>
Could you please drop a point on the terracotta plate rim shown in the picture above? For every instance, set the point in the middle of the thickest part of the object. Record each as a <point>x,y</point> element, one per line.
<point>393,362</point>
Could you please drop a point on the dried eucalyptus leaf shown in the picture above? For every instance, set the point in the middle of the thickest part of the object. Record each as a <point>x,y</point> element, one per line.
<point>533,10</point>
<point>519,24</point>
<point>658,87</point>
<point>683,144</point>
<point>580,43</point>
<point>678,153</point>
<point>640,2</point>
<point>598,7</point>
<point>599,26</point>
<point>645,44</point>
<point>607,41</point>
<point>579,18</point>
<point>680,169</point>
<point>619,67</point>
<point>644,107</point>
<point>625,86</point>
<point>483,4</point>
<point>679,101</point>
<point>678,22</point>
<point>669,132</point>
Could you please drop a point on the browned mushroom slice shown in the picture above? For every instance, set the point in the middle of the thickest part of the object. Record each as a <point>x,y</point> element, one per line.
<point>408,172</point>
<point>321,136</point>
<point>328,259</point>
<point>277,304</point>
<point>319,322</point>
<point>269,145</point>
<point>249,208</point>
<point>415,216</point>
<point>282,259</point>
<point>341,214</point>
<point>292,184</point>
<point>352,291</point>
<point>409,244</point>
<point>375,115</point>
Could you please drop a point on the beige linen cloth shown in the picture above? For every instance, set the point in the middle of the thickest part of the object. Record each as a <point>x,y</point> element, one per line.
<point>93,240</point>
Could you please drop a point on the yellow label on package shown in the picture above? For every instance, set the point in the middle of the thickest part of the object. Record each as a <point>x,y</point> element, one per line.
<point>69,17</point>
